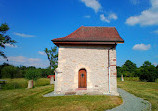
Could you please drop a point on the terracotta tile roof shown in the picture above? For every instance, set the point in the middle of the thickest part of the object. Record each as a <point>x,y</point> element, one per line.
<point>91,34</point>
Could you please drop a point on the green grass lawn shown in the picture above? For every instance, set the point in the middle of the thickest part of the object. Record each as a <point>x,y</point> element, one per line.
<point>145,90</point>
<point>32,99</point>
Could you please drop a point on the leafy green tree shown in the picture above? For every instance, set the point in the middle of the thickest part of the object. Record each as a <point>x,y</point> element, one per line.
<point>0,72</point>
<point>33,74</point>
<point>148,72</point>
<point>22,67</point>
<point>9,72</point>
<point>52,55</point>
<point>157,70</point>
<point>129,68</point>
<point>5,39</point>
<point>146,63</point>
<point>157,67</point>
<point>31,67</point>
<point>138,72</point>
<point>1,67</point>
<point>46,72</point>
<point>119,71</point>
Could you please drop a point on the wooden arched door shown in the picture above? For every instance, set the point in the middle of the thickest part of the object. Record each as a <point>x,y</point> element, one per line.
<point>82,78</point>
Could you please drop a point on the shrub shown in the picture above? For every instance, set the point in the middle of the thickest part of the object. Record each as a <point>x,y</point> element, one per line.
<point>33,74</point>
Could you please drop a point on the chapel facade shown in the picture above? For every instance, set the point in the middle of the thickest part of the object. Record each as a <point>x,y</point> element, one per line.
<point>87,61</point>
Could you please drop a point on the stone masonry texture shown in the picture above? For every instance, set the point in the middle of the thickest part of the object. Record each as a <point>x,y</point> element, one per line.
<point>92,58</point>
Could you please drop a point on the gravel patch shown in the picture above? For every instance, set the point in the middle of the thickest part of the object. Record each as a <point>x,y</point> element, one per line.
<point>131,103</point>
<point>52,94</point>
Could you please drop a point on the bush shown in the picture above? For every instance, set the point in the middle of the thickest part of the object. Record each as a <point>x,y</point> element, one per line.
<point>128,74</point>
<point>33,74</point>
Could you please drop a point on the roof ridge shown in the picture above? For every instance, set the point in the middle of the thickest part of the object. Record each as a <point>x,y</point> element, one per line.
<point>101,26</point>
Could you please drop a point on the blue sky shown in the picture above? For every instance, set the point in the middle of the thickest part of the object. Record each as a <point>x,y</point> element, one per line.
<point>34,23</point>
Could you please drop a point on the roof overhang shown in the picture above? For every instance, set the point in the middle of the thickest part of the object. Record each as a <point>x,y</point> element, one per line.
<point>86,42</point>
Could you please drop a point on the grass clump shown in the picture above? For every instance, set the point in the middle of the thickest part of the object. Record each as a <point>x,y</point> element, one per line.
<point>129,78</point>
<point>17,83</point>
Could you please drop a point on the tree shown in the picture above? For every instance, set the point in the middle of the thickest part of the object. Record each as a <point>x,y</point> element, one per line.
<point>138,72</point>
<point>52,57</point>
<point>157,70</point>
<point>31,67</point>
<point>148,72</point>
<point>129,68</point>
<point>46,72</point>
<point>1,67</point>
<point>157,67</point>
<point>9,72</point>
<point>32,75</point>
<point>146,64</point>
<point>5,39</point>
<point>119,71</point>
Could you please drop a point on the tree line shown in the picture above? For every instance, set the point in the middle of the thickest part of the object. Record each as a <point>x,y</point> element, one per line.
<point>10,71</point>
<point>146,72</point>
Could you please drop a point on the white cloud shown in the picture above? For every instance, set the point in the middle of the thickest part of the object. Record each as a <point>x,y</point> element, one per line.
<point>12,46</point>
<point>104,19</point>
<point>156,31</point>
<point>33,59</point>
<point>21,60</point>
<point>23,35</point>
<point>87,16</point>
<point>41,52</point>
<point>155,64</point>
<point>141,47</point>
<point>112,16</point>
<point>147,17</point>
<point>135,2</point>
<point>94,4</point>
<point>107,19</point>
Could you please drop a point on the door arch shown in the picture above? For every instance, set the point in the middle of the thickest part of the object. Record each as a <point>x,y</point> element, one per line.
<point>82,78</point>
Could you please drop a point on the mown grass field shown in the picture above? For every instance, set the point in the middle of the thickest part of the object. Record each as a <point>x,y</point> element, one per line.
<point>32,99</point>
<point>145,90</point>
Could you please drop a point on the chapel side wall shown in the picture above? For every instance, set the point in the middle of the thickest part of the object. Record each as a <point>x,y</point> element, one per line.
<point>94,59</point>
<point>113,72</point>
